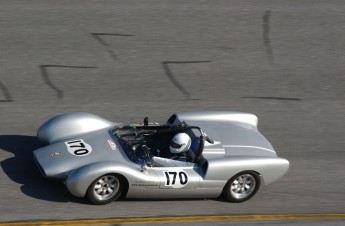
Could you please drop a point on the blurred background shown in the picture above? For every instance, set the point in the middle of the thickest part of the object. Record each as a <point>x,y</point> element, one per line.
<point>123,60</point>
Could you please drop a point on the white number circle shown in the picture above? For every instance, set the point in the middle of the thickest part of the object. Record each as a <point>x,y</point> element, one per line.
<point>78,147</point>
<point>176,179</point>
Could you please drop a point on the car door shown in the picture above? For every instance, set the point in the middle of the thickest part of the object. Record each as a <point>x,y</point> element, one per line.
<point>175,175</point>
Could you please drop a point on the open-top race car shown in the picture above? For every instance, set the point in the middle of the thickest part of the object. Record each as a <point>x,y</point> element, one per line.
<point>223,154</point>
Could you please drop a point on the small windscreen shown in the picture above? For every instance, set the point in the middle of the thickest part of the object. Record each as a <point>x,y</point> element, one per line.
<point>172,119</point>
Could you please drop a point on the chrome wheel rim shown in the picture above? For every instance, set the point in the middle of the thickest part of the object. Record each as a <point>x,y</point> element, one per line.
<point>106,187</point>
<point>243,186</point>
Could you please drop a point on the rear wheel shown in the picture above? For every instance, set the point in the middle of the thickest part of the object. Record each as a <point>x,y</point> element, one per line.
<point>105,189</point>
<point>242,186</point>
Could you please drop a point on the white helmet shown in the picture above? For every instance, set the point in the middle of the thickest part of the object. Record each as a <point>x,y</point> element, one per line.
<point>180,143</point>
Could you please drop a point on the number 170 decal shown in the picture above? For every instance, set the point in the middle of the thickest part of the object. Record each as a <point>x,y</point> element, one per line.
<point>78,147</point>
<point>176,179</point>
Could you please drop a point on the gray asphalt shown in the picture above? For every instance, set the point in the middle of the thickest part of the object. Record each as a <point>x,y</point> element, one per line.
<point>124,60</point>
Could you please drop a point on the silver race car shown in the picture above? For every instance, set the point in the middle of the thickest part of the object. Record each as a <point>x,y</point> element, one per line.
<point>225,155</point>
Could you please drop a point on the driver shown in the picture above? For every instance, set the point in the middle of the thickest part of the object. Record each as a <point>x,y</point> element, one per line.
<point>179,146</point>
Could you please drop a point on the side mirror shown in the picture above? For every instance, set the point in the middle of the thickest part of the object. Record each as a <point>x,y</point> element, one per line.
<point>146,121</point>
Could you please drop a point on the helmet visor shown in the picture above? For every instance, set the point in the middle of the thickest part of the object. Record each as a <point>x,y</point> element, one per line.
<point>175,145</point>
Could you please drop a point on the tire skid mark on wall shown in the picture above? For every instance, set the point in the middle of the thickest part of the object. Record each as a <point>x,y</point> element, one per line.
<point>266,20</point>
<point>172,78</point>
<point>6,93</point>
<point>98,37</point>
<point>275,98</point>
<point>47,80</point>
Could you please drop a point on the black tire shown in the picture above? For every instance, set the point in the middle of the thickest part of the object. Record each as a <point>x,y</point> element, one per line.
<point>105,189</point>
<point>242,187</point>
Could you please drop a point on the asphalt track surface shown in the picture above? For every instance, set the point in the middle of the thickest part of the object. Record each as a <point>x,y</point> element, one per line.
<point>123,60</point>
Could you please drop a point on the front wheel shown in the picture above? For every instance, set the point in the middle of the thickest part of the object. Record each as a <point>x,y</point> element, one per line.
<point>242,186</point>
<point>105,189</point>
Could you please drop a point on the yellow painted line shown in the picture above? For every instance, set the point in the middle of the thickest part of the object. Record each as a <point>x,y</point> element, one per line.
<point>183,219</point>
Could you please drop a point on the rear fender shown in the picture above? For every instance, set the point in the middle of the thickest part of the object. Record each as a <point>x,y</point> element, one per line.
<point>68,125</point>
<point>80,179</point>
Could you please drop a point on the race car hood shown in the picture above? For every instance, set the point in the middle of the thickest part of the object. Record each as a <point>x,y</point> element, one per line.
<point>59,159</point>
<point>236,139</point>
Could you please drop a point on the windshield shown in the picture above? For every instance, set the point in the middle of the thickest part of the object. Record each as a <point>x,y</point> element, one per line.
<point>135,141</point>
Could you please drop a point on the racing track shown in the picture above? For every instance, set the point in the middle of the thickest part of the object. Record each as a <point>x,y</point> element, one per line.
<point>123,60</point>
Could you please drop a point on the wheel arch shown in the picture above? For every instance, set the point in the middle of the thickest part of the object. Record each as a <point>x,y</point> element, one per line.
<point>258,182</point>
<point>80,179</point>
<point>123,180</point>
<point>243,171</point>
<point>125,185</point>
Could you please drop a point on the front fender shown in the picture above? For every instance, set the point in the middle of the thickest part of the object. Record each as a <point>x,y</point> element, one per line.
<point>270,168</point>
<point>80,179</point>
